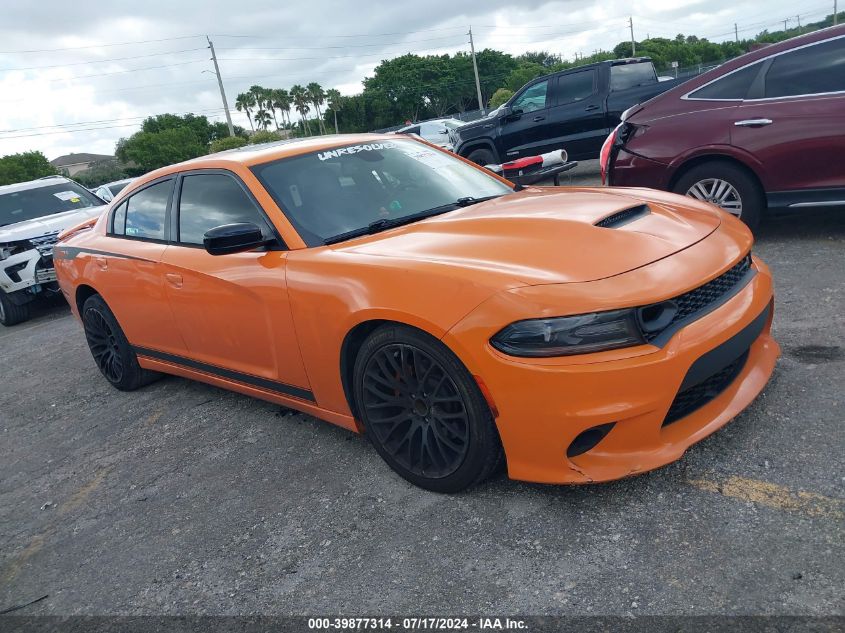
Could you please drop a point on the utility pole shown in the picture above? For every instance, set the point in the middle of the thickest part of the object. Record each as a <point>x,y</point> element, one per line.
<point>475,69</point>
<point>222,92</point>
<point>834,12</point>
<point>633,43</point>
<point>736,33</point>
<point>798,17</point>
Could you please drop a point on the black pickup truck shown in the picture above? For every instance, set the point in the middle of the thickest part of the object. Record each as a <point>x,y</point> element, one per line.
<point>573,109</point>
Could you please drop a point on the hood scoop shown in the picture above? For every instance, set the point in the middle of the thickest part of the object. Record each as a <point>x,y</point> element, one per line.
<point>626,216</point>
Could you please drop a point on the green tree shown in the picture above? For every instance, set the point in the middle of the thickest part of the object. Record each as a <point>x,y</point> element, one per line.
<point>299,95</point>
<point>333,101</point>
<point>227,142</point>
<point>499,97</point>
<point>318,97</point>
<point>245,102</point>
<point>146,151</point>
<point>101,172</point>
<point>264,136</point>
<point>24,166</point>
<point>281,101</point>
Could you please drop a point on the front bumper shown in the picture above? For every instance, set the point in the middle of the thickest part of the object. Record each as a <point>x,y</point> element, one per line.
<point>544,404</point>
<point>28,269</point>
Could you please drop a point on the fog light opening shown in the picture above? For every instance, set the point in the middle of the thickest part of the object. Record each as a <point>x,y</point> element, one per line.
<point>587,440</point>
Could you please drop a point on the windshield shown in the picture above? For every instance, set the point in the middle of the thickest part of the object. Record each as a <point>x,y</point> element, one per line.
<point>325,194</point>
<point>38,202</point>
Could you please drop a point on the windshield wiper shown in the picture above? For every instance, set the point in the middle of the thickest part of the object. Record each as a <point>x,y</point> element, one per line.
<point>388,223</point>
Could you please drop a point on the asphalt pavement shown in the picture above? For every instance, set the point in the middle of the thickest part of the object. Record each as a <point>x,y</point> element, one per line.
<point>185,499</point>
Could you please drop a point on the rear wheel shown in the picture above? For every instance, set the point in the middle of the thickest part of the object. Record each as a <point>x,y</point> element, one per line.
<point>423,411</point>
<point>113,354</point>
<point>482,157</point>
<point>11,313</point>
<point>728,186</point>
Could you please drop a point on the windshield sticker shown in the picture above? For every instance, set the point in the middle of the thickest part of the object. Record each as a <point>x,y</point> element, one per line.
<point>71,196</point>
<point>369,147</point>
<point>430,157</point>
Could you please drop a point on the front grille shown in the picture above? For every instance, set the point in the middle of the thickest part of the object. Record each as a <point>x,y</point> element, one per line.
<point>45,243</point>
<point>704,296</point>
<point>698,395</point>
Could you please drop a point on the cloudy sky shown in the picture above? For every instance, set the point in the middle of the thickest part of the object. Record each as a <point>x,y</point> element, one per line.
<point>77,76</point>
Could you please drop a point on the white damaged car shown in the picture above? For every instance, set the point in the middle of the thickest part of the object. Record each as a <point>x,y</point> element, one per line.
<point>32,214</point>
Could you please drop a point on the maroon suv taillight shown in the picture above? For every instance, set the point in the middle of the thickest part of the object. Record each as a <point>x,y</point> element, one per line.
<point>604,154</point>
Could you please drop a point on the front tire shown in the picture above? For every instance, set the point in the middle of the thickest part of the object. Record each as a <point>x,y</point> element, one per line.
<point>728,186</point>
<point>111,350</point>
<point>11,313</point>
<point>423,412</point>
<point>482,157</point>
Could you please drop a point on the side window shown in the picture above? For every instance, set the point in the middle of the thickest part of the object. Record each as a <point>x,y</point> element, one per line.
<point>575,87</point>
<point>534,98</point>
<point>118,222</point>
<point>811,70</point>
<point>734,86</point>
<point>210,200</point>
<point>146,211</point>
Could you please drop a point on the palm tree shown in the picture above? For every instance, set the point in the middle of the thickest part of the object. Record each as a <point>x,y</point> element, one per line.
<point>333,101</point>
<point>243,103</point>
<point>281,100</point>
<point>263,118</point>
<point>317,96</point>
<point>300,101</point>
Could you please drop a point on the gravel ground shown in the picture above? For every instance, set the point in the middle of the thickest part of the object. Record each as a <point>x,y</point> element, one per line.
<point>185,499</point>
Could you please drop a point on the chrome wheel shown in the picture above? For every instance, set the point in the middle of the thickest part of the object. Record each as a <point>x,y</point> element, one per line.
<point>415,411</point>
<point>719,192</point>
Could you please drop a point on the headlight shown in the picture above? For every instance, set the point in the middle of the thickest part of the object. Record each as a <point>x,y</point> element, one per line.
<point>565,336</point>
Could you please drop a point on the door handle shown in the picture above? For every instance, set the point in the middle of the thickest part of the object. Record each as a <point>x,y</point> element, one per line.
<point>102,263</point>
<point>591,108</point>
<point>538,118</point>
<point>753,122</point>
<point>174,279</point>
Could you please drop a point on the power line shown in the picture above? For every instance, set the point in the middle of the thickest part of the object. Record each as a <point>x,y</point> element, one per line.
<point>79,48</point>
<point>103,61</point>
<point>320,48</point>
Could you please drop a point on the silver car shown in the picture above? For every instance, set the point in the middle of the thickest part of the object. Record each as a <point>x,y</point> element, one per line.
<point>435,132</point>
<point>109,190</point>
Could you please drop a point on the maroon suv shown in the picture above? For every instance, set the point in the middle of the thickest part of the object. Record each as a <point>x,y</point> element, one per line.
<point>763,130</point>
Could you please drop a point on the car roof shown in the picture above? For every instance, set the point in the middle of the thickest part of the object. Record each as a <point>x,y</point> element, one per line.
<point>250,155</point>
<point>34,184</point>
<point>116,182</point>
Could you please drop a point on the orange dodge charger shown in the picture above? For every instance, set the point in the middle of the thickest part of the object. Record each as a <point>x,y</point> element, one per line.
<point>460,320</point>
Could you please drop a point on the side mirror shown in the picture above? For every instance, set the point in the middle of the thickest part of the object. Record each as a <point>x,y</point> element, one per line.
<point>233,238</point>
<point>509,114</point>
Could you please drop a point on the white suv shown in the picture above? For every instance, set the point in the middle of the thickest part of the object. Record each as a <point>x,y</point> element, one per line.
<point>31,216</point>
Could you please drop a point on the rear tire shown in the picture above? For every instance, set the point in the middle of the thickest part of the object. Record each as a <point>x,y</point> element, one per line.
<point>113,354</point>
<point>423,411</point>
<point>482,157</point>
<point>728,186</point>
<point>12,313</point>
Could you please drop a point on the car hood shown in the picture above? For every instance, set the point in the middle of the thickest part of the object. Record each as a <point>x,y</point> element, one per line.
<point>545,235</point>
<point>48,224</point>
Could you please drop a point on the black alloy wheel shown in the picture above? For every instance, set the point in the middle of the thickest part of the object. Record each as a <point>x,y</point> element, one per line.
<point>415,411</point>
<point>112,352</point>
<point>103,345</point>
<point>423,411</point>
